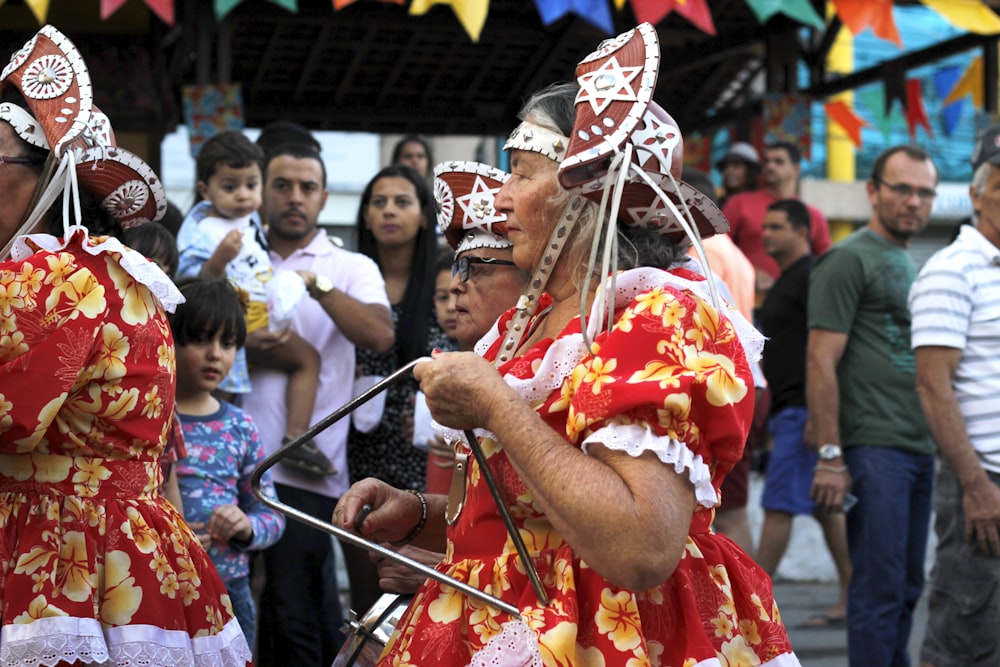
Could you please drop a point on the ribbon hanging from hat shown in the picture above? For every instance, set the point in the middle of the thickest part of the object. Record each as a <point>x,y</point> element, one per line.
<point>858,15</point>
<point>969,15</point>
<point>799,10</point>
<point>695,11</point>
<point>844,116</point>
<point>162,8</point>
<point>471,13</point>
<point>916,112</point>
<point>971,83</point>
<point>595,12</point>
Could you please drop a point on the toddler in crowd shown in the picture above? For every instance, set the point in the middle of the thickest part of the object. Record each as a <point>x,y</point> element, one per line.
<point>222,237</point>
<point>223,444</point>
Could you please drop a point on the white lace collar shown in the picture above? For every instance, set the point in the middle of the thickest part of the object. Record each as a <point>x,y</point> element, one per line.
<point>132,262</point>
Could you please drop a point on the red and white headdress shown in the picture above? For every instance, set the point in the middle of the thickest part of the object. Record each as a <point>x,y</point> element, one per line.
<point>52,77</point>
<point>465,193</point>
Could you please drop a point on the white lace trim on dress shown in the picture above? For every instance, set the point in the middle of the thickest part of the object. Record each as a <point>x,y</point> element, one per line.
<point>514,646</point>
<point>132,262</point>
<point>48,641</point>
<point>634,440</point>
<point>783,660</point>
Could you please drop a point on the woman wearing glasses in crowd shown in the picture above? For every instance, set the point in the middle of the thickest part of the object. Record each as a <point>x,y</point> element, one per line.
<point>608,415</point>
<point>98,568</point>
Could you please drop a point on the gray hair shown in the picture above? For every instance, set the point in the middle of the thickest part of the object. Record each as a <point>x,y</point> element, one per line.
<point>979,178</point>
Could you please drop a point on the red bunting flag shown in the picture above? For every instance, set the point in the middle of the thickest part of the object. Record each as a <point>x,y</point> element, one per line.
<point>916,114</point>
<point>340,4</point>
<point>858,15</point>
<point>847,119</point>
<point>162,8</point>
<point>695,11</point>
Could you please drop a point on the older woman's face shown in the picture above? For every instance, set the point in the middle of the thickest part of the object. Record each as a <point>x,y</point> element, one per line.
<point>17,184</point>
<point>532,200</point>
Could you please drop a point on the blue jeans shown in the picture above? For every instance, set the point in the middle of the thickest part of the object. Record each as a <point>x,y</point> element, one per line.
<point>242,600</point>
<point>887,538</point>
<point>300,615</point>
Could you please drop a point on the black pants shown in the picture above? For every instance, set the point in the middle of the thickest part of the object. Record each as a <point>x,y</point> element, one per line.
<point>300,614</point>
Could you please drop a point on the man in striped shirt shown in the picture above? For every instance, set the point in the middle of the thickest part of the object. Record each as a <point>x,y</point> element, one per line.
<point>955,303</point>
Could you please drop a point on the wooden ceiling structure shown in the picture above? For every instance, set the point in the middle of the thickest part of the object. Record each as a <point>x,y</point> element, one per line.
<point>373,67</point>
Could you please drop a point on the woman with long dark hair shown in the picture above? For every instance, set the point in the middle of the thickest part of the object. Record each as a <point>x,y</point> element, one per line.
<point>396,228</point>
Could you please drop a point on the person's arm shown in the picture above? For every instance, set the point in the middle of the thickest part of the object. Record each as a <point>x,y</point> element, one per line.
<point>626,516</point>
<point>266,524</point>
<point>936,367</point>
<point>367,325</point>
<point>229,247</point>
<point>819,232</point>
<point>823,353</point>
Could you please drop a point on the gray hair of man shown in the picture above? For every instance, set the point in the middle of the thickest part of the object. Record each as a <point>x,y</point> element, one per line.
<point>979,178</point>
<point>554,107</point>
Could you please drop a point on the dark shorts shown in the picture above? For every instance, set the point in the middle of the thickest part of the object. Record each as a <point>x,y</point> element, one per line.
<point>963,619</point>
<point>790,466</point>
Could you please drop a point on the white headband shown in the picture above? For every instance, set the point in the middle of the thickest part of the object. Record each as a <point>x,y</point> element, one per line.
<point>531,137</point>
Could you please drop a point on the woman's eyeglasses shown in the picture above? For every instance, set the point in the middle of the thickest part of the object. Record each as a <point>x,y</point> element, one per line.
<point>461,266</point>
<point>904,191</point>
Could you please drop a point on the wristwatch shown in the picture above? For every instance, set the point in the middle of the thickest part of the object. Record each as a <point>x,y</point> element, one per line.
<point>830,452</point>
<point>322,286</point>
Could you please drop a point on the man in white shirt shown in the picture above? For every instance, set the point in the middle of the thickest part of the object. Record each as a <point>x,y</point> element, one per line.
<point>955,303</point>
<point>300,614</point>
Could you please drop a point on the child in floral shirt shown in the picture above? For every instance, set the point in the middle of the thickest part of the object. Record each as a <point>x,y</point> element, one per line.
<point>223,444</point>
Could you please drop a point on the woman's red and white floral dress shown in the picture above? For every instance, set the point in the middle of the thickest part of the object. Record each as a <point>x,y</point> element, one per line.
<point>671,377</point>
<point>96,566</point>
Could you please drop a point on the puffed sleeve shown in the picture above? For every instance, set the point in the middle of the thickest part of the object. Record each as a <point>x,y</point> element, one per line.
<point>671,377</point>
<point>51,324</point>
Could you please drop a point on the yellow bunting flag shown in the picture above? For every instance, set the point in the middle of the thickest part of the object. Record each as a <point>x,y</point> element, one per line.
<point>971,83</point>
<point>972,15</point>
<point>471,13</point>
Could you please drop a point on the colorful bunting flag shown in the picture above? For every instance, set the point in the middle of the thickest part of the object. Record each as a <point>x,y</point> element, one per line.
<point>595,12</point>
<point>471,13</point>
<point>916,114</point>
<point>695,11</point>
<point>162,8</point>
<point>40,8</point>
<point>858,15</point>
<point>944,81</point>
<point>844,116</point>
<point>872,98</point>
<point>894,80</point>
<point>971,15</point>
<point>223,7</point>
<point>971,83</point>
<point>800,10</point>
<point>340,4</point>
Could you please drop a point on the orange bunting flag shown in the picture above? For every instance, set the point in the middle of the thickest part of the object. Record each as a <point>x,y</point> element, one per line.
<point>471,13</point>
<point>916,114</point>
<point>970,15</point>
<point>695,11</point>
<point>847,119</point>
<point>162,8</point>
<point>971,83</point>
<point>858,15</point>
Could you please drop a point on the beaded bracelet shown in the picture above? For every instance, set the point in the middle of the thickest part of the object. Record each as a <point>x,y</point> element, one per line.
<point>420,524</point>
<point>826,468</point>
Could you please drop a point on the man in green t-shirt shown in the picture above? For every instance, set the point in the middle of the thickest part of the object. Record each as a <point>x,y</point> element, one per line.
<point>864,413</point>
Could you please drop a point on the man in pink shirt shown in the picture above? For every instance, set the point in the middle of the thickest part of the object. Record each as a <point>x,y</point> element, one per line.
<point>745,212</point>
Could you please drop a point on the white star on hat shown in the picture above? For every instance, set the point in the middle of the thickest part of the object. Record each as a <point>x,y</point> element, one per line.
<point>608,83</point>
<point>478,211</point>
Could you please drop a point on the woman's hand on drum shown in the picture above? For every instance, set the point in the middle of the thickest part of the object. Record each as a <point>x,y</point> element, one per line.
<point>463,390</point>
<point>392,513</point>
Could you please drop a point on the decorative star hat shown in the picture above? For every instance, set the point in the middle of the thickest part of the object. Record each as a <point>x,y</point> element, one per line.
<point>622,140</point>
<point>52,77</point>
<point>465,193</point>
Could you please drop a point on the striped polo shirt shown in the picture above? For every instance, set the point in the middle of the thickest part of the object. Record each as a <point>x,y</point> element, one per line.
<point>955,302</point>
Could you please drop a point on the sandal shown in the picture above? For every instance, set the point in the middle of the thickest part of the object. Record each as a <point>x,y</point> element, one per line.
<point>308,459</point>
